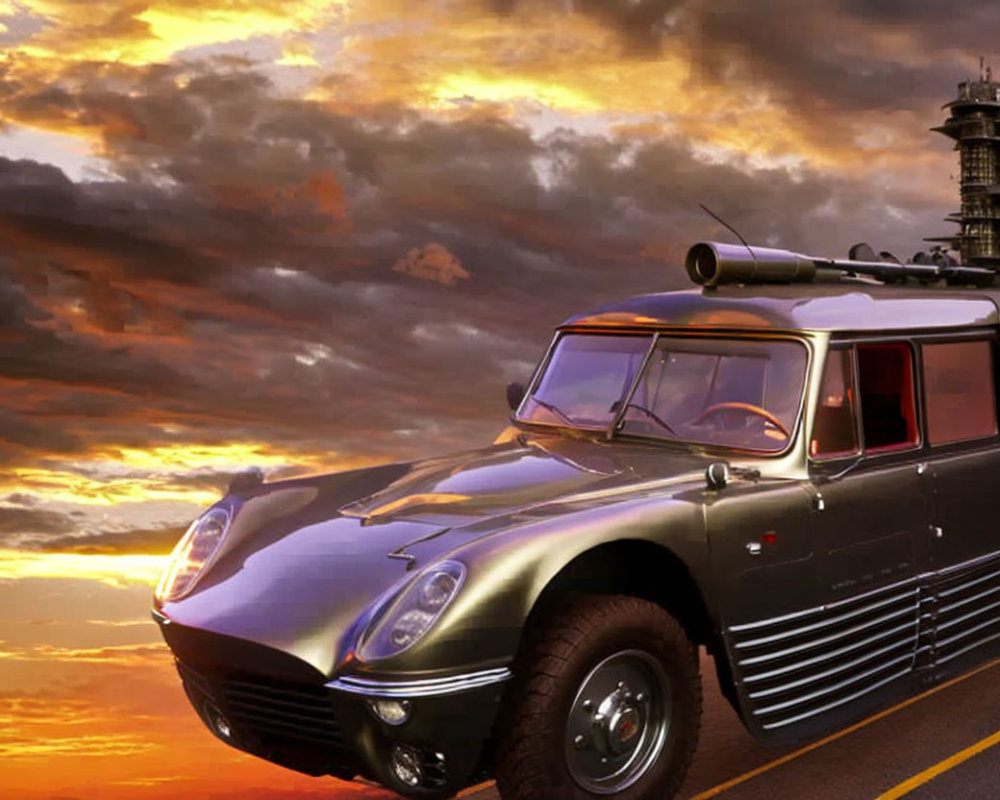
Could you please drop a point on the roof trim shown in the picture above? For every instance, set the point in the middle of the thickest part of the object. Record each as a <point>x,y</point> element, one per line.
<point>855,307</point>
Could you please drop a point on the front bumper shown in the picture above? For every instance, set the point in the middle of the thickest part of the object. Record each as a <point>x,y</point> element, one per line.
<point>275,706</point>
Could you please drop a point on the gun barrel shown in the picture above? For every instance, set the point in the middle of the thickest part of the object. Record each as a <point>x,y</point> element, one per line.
<point>716,263</point>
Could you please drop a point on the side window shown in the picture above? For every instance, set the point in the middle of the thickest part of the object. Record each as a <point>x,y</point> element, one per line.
<point>888,411</point>
<point>835,431</point>
<point>958,383</point>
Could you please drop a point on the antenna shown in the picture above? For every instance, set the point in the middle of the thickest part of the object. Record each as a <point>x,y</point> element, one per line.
<point>735,232</point>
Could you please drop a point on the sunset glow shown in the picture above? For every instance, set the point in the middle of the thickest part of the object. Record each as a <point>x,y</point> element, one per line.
<point>116,570</point>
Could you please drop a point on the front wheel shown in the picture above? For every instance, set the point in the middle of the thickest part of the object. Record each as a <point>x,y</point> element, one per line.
<point>606,703</point>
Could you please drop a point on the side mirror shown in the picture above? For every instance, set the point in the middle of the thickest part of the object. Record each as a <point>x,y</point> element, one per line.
<point>515,394</point>
<point>717,475</point>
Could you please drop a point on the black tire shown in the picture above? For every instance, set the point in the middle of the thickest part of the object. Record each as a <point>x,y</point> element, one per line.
<point>563,658</point>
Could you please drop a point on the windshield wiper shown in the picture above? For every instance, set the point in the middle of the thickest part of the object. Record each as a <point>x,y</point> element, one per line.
<point>651,414</point>
<point>555,410</point>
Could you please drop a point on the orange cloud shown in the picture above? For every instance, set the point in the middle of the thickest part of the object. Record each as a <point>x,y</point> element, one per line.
<point>432,263</point>
<point>122,655</point>
<point>110,476</point>
<point>95,746</point>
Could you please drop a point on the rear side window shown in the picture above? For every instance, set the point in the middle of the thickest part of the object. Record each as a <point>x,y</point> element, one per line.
<point>885,387</point>
<point>958,384</point>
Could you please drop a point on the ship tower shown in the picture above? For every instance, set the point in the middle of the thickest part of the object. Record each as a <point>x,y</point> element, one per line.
<point>974,124</point>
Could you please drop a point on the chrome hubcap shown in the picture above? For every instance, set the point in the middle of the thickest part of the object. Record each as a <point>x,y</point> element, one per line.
<point>618,722</point>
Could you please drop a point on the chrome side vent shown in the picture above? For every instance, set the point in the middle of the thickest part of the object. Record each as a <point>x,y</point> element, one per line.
<point>795,667</point>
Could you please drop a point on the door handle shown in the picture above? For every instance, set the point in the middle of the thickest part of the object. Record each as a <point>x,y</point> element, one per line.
<point>937,531</point>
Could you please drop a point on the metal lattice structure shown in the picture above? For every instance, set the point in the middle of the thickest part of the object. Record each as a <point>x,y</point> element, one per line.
<point>974,124</point>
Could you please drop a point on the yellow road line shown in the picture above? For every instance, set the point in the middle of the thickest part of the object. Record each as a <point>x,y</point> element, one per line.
<point>473,789</point>
<point>722,787</point>
<point>930,773</point>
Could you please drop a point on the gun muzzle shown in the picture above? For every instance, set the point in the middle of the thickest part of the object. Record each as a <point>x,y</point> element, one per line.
<point>715,263</point>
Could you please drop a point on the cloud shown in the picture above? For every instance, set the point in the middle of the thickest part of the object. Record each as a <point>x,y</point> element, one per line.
<point>142,541</point>
<point>432,262</point>
<point>107,31</point>
<point>93,746</point>
<point>33,520</point>
<point>124,655</point>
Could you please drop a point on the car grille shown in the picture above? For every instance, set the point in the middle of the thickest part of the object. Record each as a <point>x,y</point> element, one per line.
<point>266,710</point>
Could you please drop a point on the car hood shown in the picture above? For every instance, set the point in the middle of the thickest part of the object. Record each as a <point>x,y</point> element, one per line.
<point>486,483</point>
<point>303,564</point>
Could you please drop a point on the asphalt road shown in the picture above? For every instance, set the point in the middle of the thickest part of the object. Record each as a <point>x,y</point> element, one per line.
<point>943,746</point>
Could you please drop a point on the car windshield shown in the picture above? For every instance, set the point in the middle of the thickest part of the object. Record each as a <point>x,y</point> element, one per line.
<point>730,392</point>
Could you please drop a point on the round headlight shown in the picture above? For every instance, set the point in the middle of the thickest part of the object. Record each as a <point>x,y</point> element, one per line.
<point>415,611</point>
<point>193,552</point>
<point>436,590</point>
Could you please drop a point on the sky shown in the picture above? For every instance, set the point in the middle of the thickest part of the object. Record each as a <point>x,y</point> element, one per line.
<point>312,235</point>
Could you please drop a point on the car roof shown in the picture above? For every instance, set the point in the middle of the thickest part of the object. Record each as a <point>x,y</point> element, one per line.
<point>854,306</point>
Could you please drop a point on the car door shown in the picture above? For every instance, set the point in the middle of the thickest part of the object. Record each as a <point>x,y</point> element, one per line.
<point>871,513</point>
<point>869,523</point>
<point>764,568</point>
<point>964,464</point>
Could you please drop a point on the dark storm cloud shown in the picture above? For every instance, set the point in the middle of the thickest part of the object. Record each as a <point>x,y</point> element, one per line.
<point>831,56</point>
<point>642,24</point>
<point>818,57</point>
<point>33,520</point>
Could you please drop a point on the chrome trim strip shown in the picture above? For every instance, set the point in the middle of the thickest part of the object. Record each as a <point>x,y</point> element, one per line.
<point>941,626</point>
<point>964,565</point>
<point>964,602</point>
<point>825,607</point>
<point>825,623</point>
<point>832,654</point>
<point>813,643</point>
<point>797,701</point>
<point>952,639</point>
<point>987,577</point>
<point>967,648</point>
<point>840,702</point>
<point>924,576</point>
<point>908,642</point>
<point>430,687</point>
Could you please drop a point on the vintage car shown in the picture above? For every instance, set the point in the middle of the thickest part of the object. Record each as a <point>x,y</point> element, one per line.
<point>792,467</point>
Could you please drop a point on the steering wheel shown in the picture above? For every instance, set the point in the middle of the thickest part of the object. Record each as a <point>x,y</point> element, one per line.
<point>747,408</point>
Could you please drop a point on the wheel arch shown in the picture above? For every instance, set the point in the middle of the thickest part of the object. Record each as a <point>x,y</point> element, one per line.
<point>647,570</point>
<point>638,568</point>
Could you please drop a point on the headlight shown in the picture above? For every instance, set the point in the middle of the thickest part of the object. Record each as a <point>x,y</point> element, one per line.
<point>193,552</point>
<point>415,611</point>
